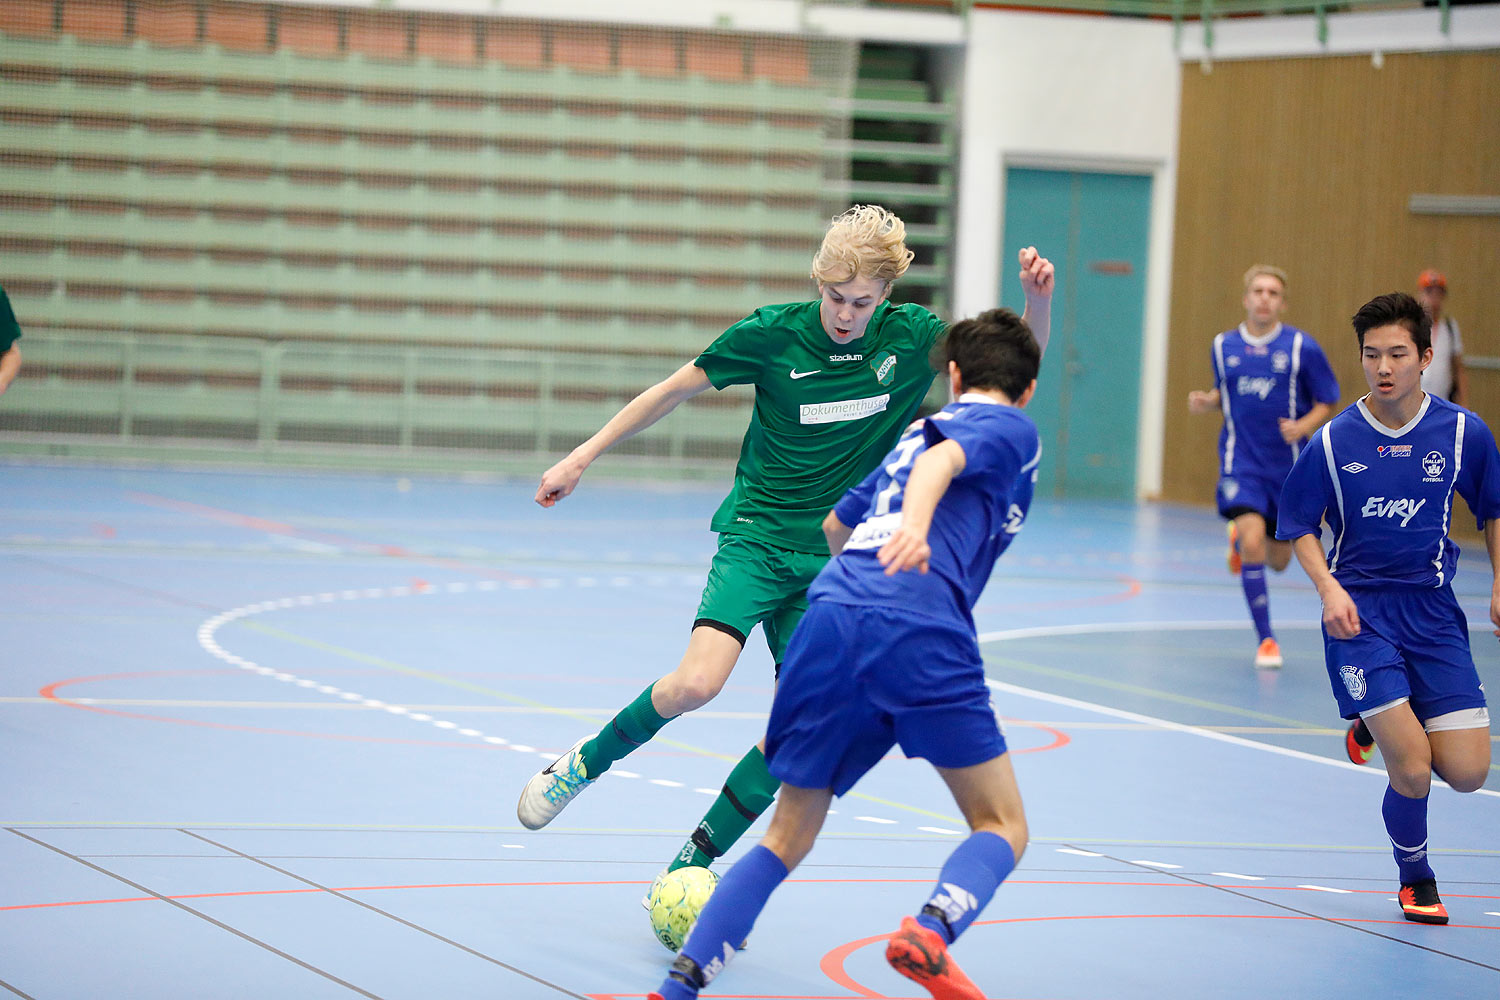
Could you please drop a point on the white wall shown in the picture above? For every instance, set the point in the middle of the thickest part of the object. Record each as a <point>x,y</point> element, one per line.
<point>1075,93</point>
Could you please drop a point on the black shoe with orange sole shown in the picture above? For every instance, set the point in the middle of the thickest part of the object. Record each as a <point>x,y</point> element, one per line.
<point>1420,902</point>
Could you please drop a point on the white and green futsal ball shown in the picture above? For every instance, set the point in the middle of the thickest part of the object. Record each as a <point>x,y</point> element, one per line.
<point>677,898</point>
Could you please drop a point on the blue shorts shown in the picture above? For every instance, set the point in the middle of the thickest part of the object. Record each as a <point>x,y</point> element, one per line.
<point>1413,643</point>
<point>1241,492</point>
<point>858,680</point>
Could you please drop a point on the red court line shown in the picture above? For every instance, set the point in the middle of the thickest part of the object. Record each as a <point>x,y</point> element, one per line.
<point>1133,589</point>
<point>795,881</point>
<point>238,520</point>
<point>833,962</point>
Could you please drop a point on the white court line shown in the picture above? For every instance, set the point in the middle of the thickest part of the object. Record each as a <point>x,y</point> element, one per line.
<point>1153,864</point>
<point>1081,854</point>
<point>1151,720</point>
<point>1324,888</point>
<point>1247,878</point>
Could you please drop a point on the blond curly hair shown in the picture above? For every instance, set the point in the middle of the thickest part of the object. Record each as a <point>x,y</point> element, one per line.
<point>867,241</point>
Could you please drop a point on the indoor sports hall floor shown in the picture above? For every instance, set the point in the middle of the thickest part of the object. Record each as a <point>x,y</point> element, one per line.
<point>263,736</point>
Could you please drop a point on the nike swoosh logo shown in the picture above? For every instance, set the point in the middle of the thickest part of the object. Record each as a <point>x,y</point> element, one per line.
<point>796,374</point>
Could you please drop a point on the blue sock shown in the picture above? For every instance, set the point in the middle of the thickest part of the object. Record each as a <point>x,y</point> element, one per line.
<point>1253,580</point>
<point>1406,824</point>
<point>968,880</point>
<point>726,921</point>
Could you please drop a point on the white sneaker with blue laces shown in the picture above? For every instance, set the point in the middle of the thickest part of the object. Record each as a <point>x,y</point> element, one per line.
<point>552,788</point>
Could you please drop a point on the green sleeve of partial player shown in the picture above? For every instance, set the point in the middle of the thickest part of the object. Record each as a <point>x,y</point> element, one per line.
<point>10,330</point>
<point>738,355</point>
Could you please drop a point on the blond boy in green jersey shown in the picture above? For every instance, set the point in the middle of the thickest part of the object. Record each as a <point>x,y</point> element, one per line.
<point>836,381</point>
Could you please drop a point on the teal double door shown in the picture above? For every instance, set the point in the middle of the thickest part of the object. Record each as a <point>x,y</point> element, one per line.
<point>1095,227</point>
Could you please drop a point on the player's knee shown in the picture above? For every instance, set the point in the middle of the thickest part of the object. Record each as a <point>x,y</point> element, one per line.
<point>688,688</point>
<point>1412,779</point>
<point>1467,776</point>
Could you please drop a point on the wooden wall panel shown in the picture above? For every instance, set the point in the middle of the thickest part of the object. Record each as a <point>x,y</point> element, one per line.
<point>1309,164</point>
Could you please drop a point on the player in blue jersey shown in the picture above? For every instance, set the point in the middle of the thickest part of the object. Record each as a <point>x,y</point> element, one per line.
<point>1273,384</point>
<point>886,655</point>
<point>1383,474</point>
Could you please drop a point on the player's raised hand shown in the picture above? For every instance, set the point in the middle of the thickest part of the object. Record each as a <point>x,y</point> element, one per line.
<point>1036,274</point>
<point>558,482</point>
<point>905,550</point>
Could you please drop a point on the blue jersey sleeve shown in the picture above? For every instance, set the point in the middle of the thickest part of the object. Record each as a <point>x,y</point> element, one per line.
<point>987,451</point>
<point>1479,482</point>
<point>850,509</point>
<point>1306,495</point>
<point>1318,379</point>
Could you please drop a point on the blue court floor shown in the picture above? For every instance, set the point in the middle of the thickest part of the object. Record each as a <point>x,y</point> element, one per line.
<point>263,736</point>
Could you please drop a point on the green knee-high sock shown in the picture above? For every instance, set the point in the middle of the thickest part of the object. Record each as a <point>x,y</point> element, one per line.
<point>635,724</point>
<point>748,792</point>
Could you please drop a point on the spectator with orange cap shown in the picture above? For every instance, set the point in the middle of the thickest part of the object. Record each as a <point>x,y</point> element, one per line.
<point>1445,376</point>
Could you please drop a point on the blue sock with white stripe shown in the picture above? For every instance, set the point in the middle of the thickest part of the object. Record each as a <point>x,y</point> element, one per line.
<point>1406,824</point>
<point>1253,581</point>
<point>726,921</point>
<point>966,884</point>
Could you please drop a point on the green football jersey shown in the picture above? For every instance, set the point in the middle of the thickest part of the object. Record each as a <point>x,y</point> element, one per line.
<point>10,330</point>
<point>825,413</point>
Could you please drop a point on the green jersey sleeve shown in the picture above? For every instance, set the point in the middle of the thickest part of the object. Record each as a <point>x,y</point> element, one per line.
<point>10,330</point>
<point>738,355</point>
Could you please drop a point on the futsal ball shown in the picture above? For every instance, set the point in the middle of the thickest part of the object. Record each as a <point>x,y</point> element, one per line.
<point>677,897</point>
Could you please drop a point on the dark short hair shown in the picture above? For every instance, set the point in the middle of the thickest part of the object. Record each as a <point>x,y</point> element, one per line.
<point>994,350</point>
<point>1395,309</point>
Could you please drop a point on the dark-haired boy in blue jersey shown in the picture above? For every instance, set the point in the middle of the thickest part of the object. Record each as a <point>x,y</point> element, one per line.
<point>886,656</point>
<point>1383,474</point>
<point>1274,386</point>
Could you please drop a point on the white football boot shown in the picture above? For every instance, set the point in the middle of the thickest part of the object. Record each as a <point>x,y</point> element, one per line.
<point>552,788</point>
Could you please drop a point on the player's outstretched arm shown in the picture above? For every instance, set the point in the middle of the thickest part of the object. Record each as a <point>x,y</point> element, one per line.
<point>1339,614</point>
<point>1038,278</point>
<point>10,367</point>
<point>930,475</point>
<point>634,417</point>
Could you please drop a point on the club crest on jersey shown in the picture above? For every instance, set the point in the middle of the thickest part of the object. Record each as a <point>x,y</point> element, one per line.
<point>884,367</point>
<point>1281,361</point>
<point>1354,681</point>
<point>1433,463</point>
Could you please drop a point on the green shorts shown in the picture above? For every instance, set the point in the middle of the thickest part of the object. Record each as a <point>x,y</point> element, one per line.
<point>752,582</point>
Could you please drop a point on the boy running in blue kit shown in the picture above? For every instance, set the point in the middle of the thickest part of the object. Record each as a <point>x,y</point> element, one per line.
<point>886,656</point>
<point>1273,384</point>
<point>1383,474</point>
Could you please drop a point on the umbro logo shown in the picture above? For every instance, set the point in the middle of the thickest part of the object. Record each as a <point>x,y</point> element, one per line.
<point>796,374</point>
<point>1354,467</point>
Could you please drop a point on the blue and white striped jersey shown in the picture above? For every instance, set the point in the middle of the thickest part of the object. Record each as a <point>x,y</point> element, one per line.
<point>1387,495</point>
<point>975,521</point>
<point>1260,380</point>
